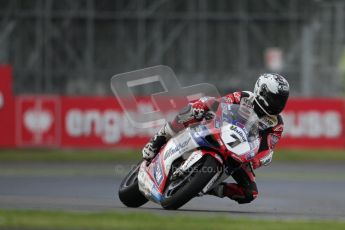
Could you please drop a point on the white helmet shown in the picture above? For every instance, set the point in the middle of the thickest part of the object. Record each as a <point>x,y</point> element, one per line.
<point>271,93</point>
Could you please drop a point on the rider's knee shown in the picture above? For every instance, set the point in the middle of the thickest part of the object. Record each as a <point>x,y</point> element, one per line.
<point>249,197</point>
<point>250,194</point>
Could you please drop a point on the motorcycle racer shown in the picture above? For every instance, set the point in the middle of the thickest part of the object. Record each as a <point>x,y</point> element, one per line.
<point>270,95</point>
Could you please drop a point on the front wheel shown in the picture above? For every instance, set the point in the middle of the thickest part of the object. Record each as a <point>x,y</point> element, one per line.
<point>203,172</point>
<point>129,193</point>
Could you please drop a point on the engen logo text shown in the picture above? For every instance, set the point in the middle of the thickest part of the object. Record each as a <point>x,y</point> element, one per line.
<point>109,125</point>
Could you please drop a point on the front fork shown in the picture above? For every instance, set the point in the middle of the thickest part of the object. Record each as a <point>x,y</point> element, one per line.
<point>193,159</point>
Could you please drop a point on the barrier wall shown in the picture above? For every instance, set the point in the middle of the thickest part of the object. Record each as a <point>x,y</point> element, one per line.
<point>99,122</point>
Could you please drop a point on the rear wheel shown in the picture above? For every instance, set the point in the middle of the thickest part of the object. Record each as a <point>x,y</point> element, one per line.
<point>182,190</point>
<point>129,193</point>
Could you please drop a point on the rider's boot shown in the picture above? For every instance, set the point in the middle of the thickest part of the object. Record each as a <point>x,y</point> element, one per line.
<point>218,190</point>
<point>157,141</point>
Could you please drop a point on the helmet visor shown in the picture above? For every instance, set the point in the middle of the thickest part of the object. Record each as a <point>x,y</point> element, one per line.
<point>276,102</point>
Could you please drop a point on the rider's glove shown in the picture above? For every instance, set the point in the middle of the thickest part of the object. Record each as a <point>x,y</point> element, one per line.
<point>198,113</point>
<point>209,115</point>
<point>205,108</point>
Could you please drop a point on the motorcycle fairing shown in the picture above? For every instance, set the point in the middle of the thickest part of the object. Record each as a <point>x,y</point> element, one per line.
<point>152,178</point>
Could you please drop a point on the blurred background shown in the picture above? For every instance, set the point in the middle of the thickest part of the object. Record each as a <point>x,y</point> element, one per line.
<point>66,144</point>
<point>74,47</point>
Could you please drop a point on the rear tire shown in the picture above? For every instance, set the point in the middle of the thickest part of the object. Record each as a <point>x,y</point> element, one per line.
<point>192,188</point>
<point>129,192</point>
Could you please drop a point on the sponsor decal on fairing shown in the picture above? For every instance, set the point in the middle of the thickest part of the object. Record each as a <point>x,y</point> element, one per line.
<point>178,147</point>
<point>239,131</point>
<point>158,173</point>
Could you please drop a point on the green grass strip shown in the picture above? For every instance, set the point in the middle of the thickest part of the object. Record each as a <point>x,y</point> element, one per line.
<point>69,156</point>
<point>122,156</point>
<point>309,155</point>
<point>136,221</point>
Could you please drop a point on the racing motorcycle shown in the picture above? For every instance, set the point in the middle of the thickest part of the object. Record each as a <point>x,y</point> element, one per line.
<point>196,160</point>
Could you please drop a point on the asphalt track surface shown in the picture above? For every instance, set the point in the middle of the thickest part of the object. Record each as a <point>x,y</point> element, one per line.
<point>287,191</point>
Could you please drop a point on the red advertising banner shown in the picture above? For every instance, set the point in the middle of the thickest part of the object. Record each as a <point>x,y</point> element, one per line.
<point>38,121</point>
<point>6,107</point>
<point>314,123</point>
<point>99,122</point>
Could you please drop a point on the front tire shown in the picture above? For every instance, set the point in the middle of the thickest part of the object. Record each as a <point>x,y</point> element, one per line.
<point>197,182</point>
<point>129,193</point>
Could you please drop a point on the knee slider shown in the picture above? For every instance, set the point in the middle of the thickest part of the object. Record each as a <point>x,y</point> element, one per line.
<point>249,197</point>
<point>250,194</point>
